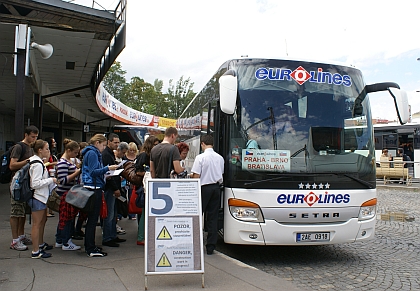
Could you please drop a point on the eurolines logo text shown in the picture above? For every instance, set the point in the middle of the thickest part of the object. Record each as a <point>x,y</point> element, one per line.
<point>300,75</point>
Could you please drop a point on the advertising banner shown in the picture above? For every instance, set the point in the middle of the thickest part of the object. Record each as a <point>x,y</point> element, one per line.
<point>114,108</point>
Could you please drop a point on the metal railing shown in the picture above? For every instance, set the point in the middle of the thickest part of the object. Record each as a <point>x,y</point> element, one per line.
<point>115,47</point>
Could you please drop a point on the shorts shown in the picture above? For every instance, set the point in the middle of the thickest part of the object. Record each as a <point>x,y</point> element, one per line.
<point>36,205</point>
<point>17,209</point>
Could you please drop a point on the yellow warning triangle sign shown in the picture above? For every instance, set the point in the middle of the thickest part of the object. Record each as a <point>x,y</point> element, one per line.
<point>164,262</point>
<point>164,234</point>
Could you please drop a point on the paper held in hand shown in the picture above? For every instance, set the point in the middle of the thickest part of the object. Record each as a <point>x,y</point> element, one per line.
<point>122,163</point>
<point>113,173</point>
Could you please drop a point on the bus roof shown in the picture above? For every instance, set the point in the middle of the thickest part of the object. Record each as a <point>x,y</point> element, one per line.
<point>326,62</point>
<point>415,123</point>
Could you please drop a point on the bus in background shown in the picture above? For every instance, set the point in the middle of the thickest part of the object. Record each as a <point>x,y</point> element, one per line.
<point>297,139</point>
<point>393,136</point>
<point>138,134</point>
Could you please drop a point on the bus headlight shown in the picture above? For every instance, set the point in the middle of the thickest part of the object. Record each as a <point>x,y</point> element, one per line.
<point>368,210</point>
<point>245,210</point>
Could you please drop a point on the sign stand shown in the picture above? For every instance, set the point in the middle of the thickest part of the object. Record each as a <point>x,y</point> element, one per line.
<point>173,228</point>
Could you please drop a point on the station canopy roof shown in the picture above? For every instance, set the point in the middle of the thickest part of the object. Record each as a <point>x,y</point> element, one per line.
<point>84,48</point>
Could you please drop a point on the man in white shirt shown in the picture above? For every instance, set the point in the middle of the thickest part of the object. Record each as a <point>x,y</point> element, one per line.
<point>209,167</point>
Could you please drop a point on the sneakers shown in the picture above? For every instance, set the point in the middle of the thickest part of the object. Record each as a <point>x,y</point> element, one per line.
<point>58,245</point>
<point>110,243</point>
<point>120,230</point>
<point>26,240</point>
<point>45,246</point>
<point>96,253</point>
<point>70,246</point>
<point>18,246</point>
<point>41,255</point>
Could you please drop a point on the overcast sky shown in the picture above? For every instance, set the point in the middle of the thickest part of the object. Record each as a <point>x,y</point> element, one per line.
<point>168,39</point>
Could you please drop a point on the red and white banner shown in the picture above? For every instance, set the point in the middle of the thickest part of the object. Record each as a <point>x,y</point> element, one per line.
<point>114,108</point>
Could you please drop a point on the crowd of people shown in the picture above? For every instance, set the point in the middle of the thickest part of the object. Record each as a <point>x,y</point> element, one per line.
<point>86,164</point>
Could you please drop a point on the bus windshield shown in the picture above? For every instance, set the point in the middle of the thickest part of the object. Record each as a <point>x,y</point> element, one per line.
<point>299,117</point>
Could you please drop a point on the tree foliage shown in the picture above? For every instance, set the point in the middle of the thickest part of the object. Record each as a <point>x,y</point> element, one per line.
<point>179,96</point>
<point>145,97</point>
<point>114,81</point>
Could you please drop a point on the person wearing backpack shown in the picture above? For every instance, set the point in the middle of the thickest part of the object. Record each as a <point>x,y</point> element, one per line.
<point>40,182</point>
<point>19,156</point>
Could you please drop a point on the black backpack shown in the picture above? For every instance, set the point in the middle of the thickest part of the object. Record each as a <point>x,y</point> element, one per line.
<point>6,173</point>
<point>20,187</point>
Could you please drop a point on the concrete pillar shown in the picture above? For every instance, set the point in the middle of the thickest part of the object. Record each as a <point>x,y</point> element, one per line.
<point>20,96</point>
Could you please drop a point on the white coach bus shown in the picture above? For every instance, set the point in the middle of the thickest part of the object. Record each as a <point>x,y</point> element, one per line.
<point>299,150</point>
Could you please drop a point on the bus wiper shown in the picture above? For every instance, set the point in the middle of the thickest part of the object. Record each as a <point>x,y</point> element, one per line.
<point>285,175</point>
<point>367,184</point>
<point>364,183</point>
<point>262,181</point>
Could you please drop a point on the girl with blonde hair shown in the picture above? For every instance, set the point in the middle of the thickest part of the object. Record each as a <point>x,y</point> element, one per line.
<point>93,172</point>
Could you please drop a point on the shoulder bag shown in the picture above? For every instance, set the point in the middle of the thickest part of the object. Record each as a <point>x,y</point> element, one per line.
<point>129,173</point>
<point>81,197</point>
<point>132,207</point>
<point>54,201</point>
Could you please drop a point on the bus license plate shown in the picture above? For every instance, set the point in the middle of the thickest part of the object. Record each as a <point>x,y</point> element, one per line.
<point>313,236</point>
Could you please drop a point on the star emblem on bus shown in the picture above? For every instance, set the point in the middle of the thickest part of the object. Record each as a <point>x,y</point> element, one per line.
<point>314,186</point>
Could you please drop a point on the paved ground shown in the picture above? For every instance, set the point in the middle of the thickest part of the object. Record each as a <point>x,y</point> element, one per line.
<point>122,269</point>
<point>389,262</point>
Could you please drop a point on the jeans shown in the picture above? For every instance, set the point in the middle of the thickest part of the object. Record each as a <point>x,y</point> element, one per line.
<point>92,220</point>
<point>58,238</point>
<point>109,228</point>
<point>67,232</point>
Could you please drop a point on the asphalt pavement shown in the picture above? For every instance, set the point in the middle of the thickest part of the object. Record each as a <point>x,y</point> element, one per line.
<point>122,269</point>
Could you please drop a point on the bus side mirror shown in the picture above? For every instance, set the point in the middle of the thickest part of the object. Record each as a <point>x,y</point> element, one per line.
<point>228,90</point>
<point>400,98</point>
<point>401,104</point>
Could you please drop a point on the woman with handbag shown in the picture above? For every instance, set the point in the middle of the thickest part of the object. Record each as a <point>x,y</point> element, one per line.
<point>67,173</point>
<point>142,169</point>
<point>131,156</point>
<point>93,178</point>
<point>40,182</point>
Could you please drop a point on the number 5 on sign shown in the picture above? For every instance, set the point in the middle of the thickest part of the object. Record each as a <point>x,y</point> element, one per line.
<point>161,203</point>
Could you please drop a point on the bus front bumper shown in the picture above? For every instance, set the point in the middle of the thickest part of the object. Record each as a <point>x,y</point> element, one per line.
<point>273,233</point>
